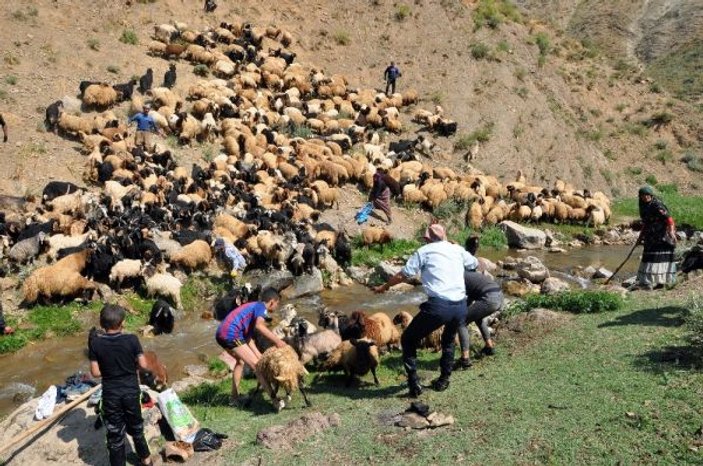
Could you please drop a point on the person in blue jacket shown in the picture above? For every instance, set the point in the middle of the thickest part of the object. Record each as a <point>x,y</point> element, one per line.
<point>145,126</point>
<point>390,75</point>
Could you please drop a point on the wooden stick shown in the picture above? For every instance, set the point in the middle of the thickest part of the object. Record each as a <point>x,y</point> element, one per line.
<point>623,263</point>
<point>47,422</point>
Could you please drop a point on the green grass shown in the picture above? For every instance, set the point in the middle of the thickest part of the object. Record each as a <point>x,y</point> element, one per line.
<point>480,51</point>
<point>341,38</point>
<point>482,134</point>
<point>684,208</point>
<point>402,12</point>
<point>493,13</point>
<point>201,70</point>
<point>11,80</point>
<point>679,71</point>
<point>693,162</point>
<point>42,322</point>
<point>490,238</point>
<point>372,255</point>
<point>577,302</point>
<point>602,388</point>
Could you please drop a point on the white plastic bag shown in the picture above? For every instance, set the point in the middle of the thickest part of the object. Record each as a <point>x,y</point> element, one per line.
<point>46,405</point>
<point>182,422</point>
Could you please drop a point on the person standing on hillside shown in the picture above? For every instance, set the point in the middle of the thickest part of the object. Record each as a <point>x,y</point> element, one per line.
<point>380,194</point>
<point>390,75</point>
<point>658,234</point>
<point>3,125</point>
<point>145,126</point>
<point>441,267</point>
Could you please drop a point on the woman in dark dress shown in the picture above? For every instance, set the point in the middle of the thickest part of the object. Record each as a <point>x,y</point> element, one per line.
<point>658,266</point>
<point>381,194</point>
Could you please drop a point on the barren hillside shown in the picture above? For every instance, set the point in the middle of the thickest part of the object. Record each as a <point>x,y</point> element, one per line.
<point>541,101</point>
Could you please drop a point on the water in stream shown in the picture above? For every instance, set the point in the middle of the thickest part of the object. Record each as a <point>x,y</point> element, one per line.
<point>43,363</point>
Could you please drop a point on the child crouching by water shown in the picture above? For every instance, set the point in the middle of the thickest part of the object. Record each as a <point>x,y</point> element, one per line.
<point>235,333</point>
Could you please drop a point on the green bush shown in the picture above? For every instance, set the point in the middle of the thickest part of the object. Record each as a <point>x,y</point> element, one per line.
<point>480,51</point>
<point>693,162</point>
<point>402,11</point>
<point>370,256</point>
<point>577,302</point>
<point>661,144</point>
<point>11,80</point>
<point>542,41</point>
<point>342,38</point>
<point>668,188</point>
<point>93,44</point>
<point>659,119</point>
<point>114,69</point>
<point>201,70</point>
<point>129,37</point>
<point>664,156</point>
<point>448,209</point>
<point>694,321</point>
<point>651,180</point>
<point>492,13</point>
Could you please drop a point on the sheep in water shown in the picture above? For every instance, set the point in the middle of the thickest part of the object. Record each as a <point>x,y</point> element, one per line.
<point>280,368</point>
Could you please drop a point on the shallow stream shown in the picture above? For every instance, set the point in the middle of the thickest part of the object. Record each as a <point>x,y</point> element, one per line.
<point>40,364</point>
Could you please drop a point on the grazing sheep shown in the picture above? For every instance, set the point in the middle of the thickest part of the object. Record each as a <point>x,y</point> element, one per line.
<point>26,250</point>
<point>74,125</point>
<point>310,346</point>
<point>100,95</point>
<point>281,367</point>
<point>54,189</point>
<point>192,256</point>
<point>60,241</point>
<point>375,235</point>
<point>355,358</point>
<point>124,269</point>
<point>56,281</point>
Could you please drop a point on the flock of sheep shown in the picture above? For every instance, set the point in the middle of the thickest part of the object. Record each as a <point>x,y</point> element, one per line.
<point>289,135</point>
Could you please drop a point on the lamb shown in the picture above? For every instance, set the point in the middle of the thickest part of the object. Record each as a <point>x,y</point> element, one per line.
<point>164,284</point>
<point>155,375</point>
<point>375,235</point>
<point>170,77</point>
<point>161,317</point>
<point>327,197</point>
<point>126,268</point>
<point>27,249</point>
<point>596,216</point>
<point>193,256</point>
<point>355,358</point>
<point>146,81</point>
<point>310,346</point>
<point>100,95</point>
<point>432,341</point>
<point>341,324</point>
<point>53,112</point>
<point>280,367</point>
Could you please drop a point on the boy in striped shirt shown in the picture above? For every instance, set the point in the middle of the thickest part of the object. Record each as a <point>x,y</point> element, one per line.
<point>235,333</point>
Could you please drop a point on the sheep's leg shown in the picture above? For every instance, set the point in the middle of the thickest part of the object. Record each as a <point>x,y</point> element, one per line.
<point>305,397</point>
<point>375,379</point>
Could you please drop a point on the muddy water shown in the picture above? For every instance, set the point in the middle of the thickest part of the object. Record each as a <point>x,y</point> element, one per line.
<point>49,362</point>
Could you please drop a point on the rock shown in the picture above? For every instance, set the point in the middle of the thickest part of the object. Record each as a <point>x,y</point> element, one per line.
<point>304,285</point>
<point>438,419</point>
<point>576,244</point>
<point>611,236</point>
<point>543,315</point>
<point>532,269</point>
<point>329,264</point>
<point>522,237</point>
<point>509,263</point>
<point>486,265</point>
<point>555,249</point>
<point>288,435</point>
<point>519,288</point>
<point>197,370</point>
<point>629,281</point>
<point>615,289</point>
<point>413,421</point>
<point>277,279</point>
<point>402,288</point>
<point>602,272</point>
<point>553,285</point>
<point>588,272</point>
<point>385,270</point>
<point>359,274</point>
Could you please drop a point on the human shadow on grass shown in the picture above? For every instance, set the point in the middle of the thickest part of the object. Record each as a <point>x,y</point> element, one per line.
<point>668,316</point>
<point>668,358</point>
<point>360,388</point>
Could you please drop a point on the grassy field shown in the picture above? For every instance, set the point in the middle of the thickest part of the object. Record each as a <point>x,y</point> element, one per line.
<point>684,209</point>
<point>608,388</point>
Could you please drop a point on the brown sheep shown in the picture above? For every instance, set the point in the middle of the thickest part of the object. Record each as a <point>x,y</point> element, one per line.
<point>193,256</point>
<point>375,235</point>
<point>280,367</point>
<point>378,327</point>
<point>432,341</point>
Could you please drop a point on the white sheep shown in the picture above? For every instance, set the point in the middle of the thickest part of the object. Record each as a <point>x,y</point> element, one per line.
<point>58,242</point>
<point>165,285</point>
<point>126,268</point>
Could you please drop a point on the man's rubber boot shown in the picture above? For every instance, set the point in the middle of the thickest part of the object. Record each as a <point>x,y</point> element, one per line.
<point>414,387</point>
<point>440,384</point>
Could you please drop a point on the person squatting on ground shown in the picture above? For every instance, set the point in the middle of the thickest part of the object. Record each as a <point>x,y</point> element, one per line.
<point>231,256</point>
<point>380,194</point>
<point>3,125</point>
<point>390,75</point>
<point>235,332</point>
<point>441,266</point>
<point>116,356</point>
<point>658,234</point>
<point>145,127</point>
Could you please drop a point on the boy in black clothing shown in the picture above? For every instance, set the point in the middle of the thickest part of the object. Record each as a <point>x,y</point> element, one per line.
<point>115,357</point>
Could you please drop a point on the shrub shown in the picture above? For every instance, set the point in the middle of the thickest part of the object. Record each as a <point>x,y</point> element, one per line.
<point>520,73</point>
<point>620,107</point>
<point>201,70</point>
<point>635,129</point>
<point>11,80</point>
<point>664,156</point>
<point>693,162</point>
<point>93,43</point>
<point>694,321</point>
<point>522,92</point>
<point>342,38</point>
<point>482,134</point>
<point>448,209</point>
<point>372,255</point>
<point>114,69</point>
<point>300,131</point>
<point>492,13</point>
<point>668,188</point>
<point>503,46</point>
<point>480,51</point>
<point>655,88</point>
<point>577,302</point>
<point>542,41</point>
<point>661,144</point>
<point>436,97</point>
<point>659,119</point>
<point>651,180</point>
<point>633,171</point>
<point>402,12</point>
<point>129,37</point>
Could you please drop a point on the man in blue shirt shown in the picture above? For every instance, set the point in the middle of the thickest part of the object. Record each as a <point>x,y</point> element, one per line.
<point>390,75</point>
<point>441,267</point>
<point>145,126</point>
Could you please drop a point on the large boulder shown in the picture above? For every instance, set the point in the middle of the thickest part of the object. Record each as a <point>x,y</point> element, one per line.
<point>305,285</point>
<point>522,237</point>
<point>385,270</point>
<point>359,274</point>
<point>530,268</point>
<point>519,288</point>
<point>278,279</point>
<point>486,265</point>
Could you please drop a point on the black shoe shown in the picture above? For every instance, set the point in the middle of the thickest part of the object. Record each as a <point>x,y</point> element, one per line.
<point>415,390</point>
<point>462,364</point>
<point>440,384</point>
<point>486,351</point>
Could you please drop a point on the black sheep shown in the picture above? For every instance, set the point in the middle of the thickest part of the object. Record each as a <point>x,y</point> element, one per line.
<point>125,91</point>
<point>33,229</point>
<point>162,317</point>
<point>692,260</point>
<point>309,257</point>
<point>343,250</point>
<point>170,76</point>
<point>210,6</point>
<point>446,127</point>
<point>53,112</point>
<point>185,237</point>
<point>146,81</point>
<point>54,189</point>
<point>404,145</point>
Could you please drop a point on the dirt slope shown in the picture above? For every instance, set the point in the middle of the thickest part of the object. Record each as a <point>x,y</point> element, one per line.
<point>574,117</point>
